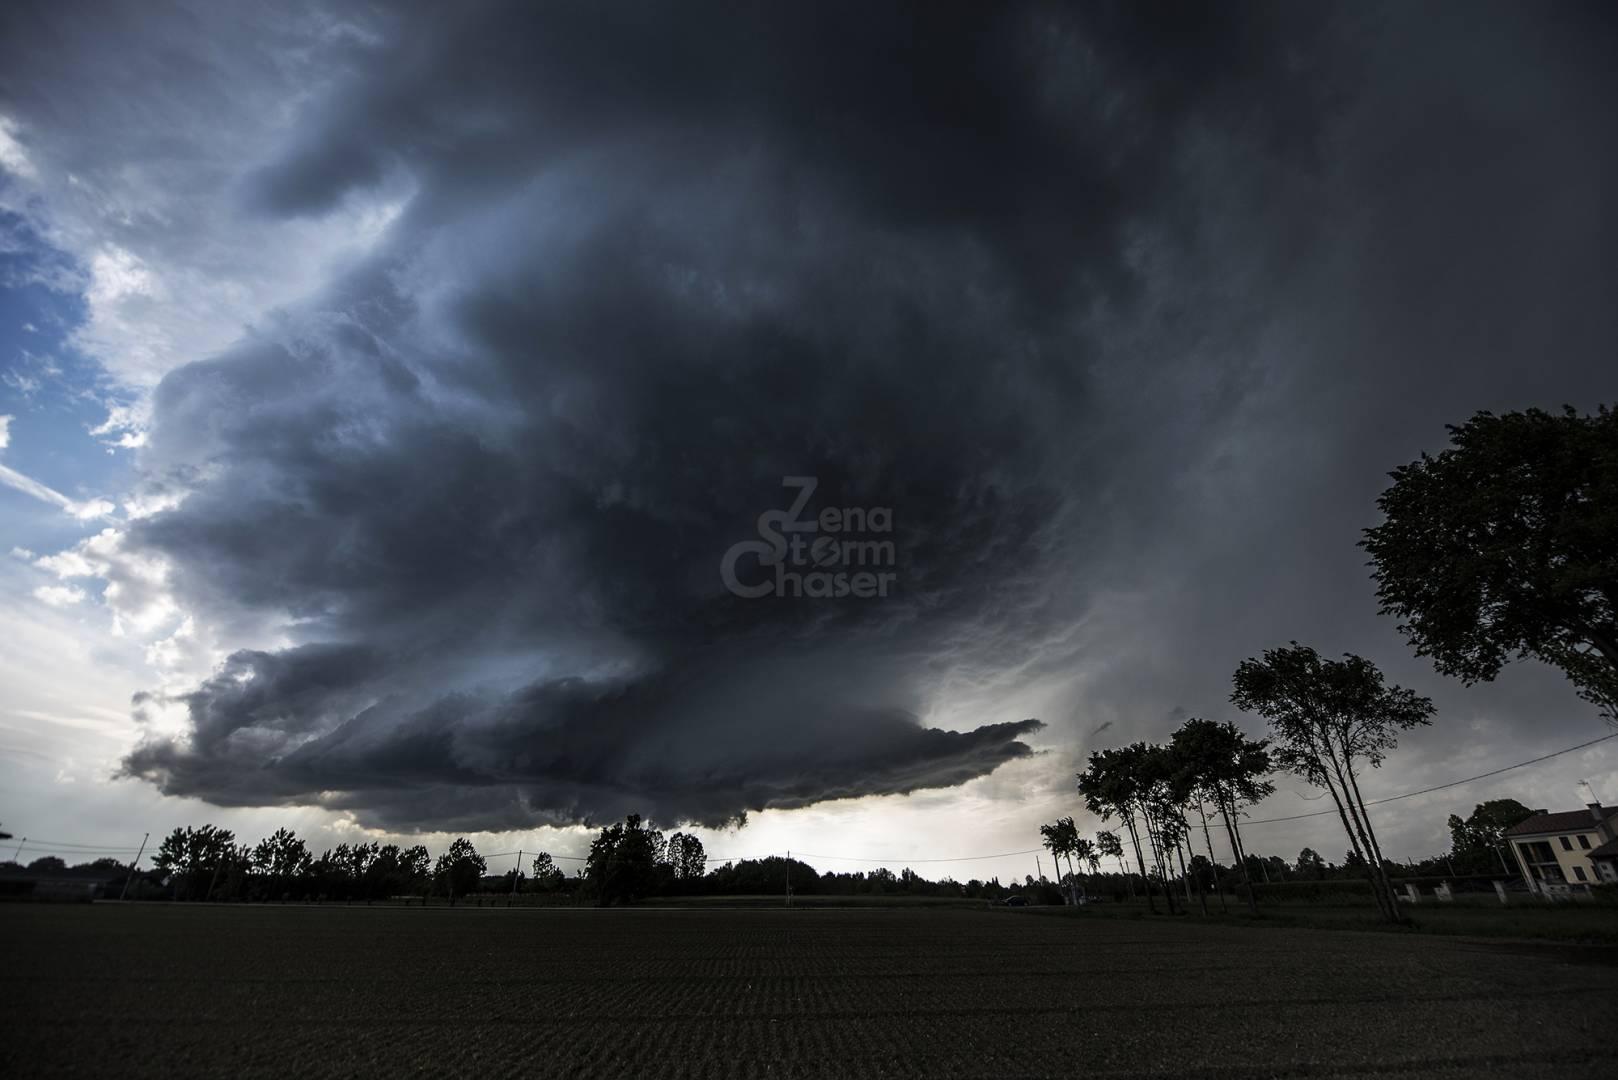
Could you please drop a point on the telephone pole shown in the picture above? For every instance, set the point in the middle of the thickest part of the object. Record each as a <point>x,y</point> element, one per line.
<point>134,864</point>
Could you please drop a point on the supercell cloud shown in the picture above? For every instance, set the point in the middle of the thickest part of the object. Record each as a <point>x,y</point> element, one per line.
<point>648,268</point>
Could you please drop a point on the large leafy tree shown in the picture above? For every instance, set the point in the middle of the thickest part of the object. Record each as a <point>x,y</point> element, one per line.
<point>1485,827</point>
<point>415,869</point>
<point>460,869</point>
<point>1111,789</point>
<point>361,861</point>
<point>1054,839</point>
<point>1136,784</point>
<point>1108,845</point>
<point>625,861</point>
<point>1311,867</point>
<point>548,877</point>
<point>1062,840</point>
<point>1328,718</point>
<point>381,876</point>
<point>1162,798</point>
<point>1083,850</point>
<point>686,857</point>
<point>195,858</point>
<point>282,859</point>
<point>1478,840</point>
<point>1505,545</point>
<point>1219,765</point>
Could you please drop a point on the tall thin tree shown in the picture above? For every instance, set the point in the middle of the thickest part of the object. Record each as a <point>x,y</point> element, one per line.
<point>1327,717</point>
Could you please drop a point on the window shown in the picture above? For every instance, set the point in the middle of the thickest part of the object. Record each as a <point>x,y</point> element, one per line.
<point>1579,871</point>
<point>1567,845</point>
<point>1584,842</point>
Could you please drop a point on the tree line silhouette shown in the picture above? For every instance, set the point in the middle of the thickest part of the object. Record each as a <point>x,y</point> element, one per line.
<point>627,861</point>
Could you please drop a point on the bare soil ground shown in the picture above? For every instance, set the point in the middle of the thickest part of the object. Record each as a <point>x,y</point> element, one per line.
<point>192,990</point>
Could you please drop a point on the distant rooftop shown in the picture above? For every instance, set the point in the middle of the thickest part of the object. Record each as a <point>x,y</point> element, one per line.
<point>1609,850</point>
<point>1561,822</point>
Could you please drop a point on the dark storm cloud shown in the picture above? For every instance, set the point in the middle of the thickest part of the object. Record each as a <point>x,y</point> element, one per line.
<point>654,263</point>
<point>1124,310</point>
<point>561,751</point>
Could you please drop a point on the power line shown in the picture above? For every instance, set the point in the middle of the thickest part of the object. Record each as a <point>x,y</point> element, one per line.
<point>904,859</point>
<point>503,854</point>
<point>1441,787</point>
<point>31,846</point>
<point>30,849</point>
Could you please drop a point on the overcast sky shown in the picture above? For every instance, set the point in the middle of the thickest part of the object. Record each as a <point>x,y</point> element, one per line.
<point>385,389</point>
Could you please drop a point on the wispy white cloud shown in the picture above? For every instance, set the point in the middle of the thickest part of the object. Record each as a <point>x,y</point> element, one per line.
<point>87,510</point>
<point>12,156</point>
<point>59,595</point>
<point>84,510</point>
<point>31,487</point>
<point>125,425</point>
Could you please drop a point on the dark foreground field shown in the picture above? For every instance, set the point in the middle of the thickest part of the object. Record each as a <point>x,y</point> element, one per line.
<point>109,990</point>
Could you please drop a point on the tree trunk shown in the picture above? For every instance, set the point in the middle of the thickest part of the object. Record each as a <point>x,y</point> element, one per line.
<point>1247,874</point>
<point>1213,863</point>
<point>1192,889</point>
<point>1140,860</point>
<point>1154,839</point>
<point>1236,852</point>
<point>1354,843</point>
<point>1180,845</point>
<point>1376,848</point>
<point>1373,860</point>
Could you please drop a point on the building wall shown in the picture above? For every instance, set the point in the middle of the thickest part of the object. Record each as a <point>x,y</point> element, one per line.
<point>1570,861</point>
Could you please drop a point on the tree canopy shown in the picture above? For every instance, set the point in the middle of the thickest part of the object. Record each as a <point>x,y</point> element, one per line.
<point>1484,830</point>
<point>625,861</point>
<point>1503,546</point>
<point>460,868</point>
<point>1326,716</point>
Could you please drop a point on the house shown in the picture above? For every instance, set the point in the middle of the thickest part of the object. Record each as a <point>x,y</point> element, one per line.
<point>1605,858</point>
<point>1569,851</point>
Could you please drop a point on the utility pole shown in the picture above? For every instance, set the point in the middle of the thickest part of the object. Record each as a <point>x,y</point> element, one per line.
<point>789,878</point>
<point>1039,867</point>
<point>18,857</point>
<point>515,876</point>
<point>134,864</point>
